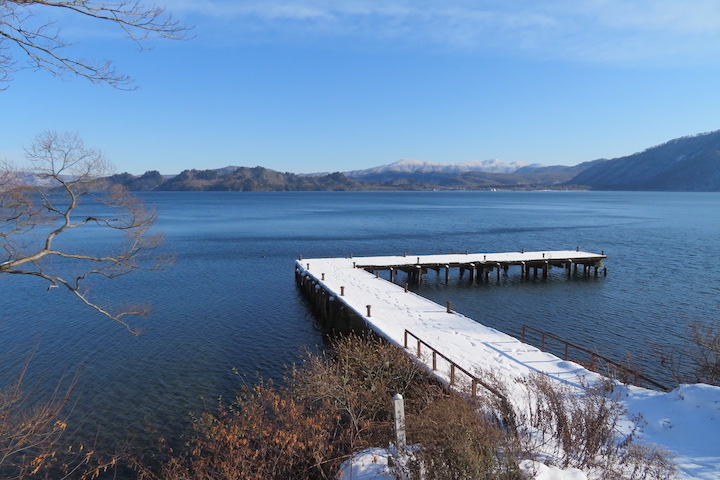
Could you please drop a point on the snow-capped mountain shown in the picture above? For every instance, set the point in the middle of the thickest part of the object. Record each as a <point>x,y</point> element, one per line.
<point>424,167</point>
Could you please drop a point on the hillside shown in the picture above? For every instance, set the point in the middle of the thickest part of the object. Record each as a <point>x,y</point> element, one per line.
<point>684,164</point>
<point>234,179</point>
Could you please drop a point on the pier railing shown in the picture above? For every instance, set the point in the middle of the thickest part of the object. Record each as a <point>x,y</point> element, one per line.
<point>454,367</point>
<point>596,363</point>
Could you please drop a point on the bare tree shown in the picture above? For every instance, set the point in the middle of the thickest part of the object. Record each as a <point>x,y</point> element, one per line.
<point>27,30</point>
<point>34,221</point>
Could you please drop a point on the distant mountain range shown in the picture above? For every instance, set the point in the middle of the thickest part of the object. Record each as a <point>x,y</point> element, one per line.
<point>413,167</point>
<point>685,164</point>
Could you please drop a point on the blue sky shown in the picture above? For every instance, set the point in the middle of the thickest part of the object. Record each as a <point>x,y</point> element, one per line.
<point>333,85</point>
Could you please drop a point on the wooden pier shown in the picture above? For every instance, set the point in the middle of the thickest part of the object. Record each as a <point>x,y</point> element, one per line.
<point>480,265</point>
<point>348,290</point>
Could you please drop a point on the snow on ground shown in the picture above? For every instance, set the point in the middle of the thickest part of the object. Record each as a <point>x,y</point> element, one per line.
<point>685,420</point>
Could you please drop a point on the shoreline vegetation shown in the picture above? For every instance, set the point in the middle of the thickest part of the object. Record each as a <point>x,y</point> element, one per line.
<point>330,406</point>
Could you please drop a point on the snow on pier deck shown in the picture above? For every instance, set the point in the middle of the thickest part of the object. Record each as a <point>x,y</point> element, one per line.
<point>390,309</point>
<point>685,420</point>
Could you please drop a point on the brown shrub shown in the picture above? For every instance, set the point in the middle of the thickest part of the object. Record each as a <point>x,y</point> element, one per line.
<point>456,441</point>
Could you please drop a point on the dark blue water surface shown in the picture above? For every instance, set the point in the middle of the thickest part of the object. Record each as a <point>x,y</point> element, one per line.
<point>230,300</point>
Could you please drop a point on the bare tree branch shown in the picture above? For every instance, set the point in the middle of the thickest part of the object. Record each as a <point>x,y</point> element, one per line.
<point>37,39</point>
<point>32,221</point>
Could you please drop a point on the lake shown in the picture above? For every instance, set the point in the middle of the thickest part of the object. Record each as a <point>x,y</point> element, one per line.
<point>230,301</point>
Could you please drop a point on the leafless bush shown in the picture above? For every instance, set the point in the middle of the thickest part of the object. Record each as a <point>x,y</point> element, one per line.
<point>29,434</point>
<point>359,379</point>
<point>698,361</point>
<point>265,434</point>
<point>706,357</point>
<point>581,428</point>
<point>34,436</point>
<point>456,441</point>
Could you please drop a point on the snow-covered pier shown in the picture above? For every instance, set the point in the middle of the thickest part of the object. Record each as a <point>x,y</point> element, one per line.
<point>350,289</point>
<point>684,420</point>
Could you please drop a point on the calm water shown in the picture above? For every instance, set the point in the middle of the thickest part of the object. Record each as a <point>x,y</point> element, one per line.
<point>230,300</point>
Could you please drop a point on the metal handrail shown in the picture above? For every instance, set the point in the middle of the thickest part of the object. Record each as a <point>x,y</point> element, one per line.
<point>593,356</point>
<point>475,381</point>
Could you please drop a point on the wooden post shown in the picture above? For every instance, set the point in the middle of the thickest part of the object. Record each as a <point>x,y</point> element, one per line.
<point>399,415</point>
<point>368,310</point>
<point>498,271</point>
<point>447,273</point>
<point>342,291</point>
<point>449,307</point>
<point>452,374</point>
<point>392,274</point>
<point>406,288</point>
<point>434,360</point>
<point>322,277</point>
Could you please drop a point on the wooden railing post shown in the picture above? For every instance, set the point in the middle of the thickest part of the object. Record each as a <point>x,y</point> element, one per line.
<point>406,338</point>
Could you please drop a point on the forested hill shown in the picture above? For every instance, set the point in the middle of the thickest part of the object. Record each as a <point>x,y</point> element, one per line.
<point>684,164</point>
<point>234,179</point>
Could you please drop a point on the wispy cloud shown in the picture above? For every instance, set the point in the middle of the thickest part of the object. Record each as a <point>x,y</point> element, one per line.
<point>591,30</point>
